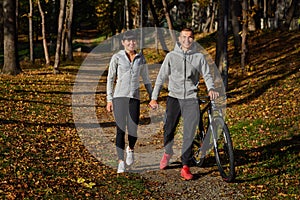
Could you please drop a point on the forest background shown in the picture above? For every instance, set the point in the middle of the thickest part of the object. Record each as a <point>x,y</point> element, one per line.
<point>255,45</point>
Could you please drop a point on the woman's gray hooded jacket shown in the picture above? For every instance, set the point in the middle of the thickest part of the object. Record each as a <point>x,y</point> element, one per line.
<point>127,75</point>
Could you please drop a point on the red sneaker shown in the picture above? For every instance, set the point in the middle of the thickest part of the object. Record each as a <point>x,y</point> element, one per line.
<point>185,173</point>
<point>165,161</point>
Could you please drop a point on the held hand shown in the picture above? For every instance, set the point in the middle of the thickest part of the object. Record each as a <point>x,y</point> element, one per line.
<point>213,94</point>
<point>109,107</point>
<point>153,104</point>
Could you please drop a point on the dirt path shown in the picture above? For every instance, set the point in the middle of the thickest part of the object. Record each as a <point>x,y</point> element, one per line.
<point>97,131</point>
<point>167,184</point>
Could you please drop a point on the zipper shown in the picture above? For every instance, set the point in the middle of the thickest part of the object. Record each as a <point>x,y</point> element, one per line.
<point>131,64</point>
<point>184,89</point>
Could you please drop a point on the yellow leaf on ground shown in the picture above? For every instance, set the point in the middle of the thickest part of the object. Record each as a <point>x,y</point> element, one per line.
<point>80,180</point>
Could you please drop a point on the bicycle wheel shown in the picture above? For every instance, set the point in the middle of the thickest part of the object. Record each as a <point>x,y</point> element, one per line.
<point>198,148</point>
<point>224,150</point>
<point>198,157</point>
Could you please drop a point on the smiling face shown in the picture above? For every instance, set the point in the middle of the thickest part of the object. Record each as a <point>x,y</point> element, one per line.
<point>186,39</point>
<point>129,45</point>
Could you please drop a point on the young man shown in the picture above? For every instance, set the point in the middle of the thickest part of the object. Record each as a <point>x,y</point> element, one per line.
<point>126,66</point>
<point>183,67</point>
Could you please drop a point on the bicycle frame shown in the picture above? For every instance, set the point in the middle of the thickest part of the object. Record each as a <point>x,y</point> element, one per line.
<point>210,108</point>
<point>217,136</point>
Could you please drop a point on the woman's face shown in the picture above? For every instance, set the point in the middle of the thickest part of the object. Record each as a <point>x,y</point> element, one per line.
<point>129,45</point>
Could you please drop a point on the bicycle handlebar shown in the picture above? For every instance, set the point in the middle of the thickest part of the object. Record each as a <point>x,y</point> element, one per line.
<point>208,97</point>
<point>205,99</point>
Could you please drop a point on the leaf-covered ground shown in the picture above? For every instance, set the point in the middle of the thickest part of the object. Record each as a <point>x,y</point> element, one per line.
<point>263,116</point>
<point>42,156</point>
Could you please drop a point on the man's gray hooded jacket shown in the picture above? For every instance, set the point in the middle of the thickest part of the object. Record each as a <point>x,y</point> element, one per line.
<point>183,69</point>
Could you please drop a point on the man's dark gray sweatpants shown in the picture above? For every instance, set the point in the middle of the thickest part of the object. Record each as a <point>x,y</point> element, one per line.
<point>189,110</point>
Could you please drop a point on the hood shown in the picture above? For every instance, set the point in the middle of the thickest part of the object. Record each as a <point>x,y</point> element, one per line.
<point>192,50</point>
<point>123,53</point>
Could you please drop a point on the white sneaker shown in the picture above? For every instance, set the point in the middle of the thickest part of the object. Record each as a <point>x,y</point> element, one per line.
<point>130,156</point>
<point>121,167</point>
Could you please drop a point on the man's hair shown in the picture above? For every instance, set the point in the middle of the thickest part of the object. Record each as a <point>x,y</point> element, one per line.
<point>187,29</point>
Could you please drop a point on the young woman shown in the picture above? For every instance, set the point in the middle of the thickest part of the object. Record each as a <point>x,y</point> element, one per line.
<point>126,67</point>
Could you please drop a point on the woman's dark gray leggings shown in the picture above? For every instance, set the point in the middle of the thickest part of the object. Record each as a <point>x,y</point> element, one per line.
<point>126,113</point>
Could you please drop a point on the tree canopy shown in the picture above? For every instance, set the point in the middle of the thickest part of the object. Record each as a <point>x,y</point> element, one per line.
<point>51,21</point>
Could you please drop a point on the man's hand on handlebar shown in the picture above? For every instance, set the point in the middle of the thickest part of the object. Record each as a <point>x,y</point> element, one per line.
<point>213,94</point>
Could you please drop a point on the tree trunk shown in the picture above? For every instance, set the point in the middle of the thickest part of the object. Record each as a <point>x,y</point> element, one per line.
<point>168,18</point>
<point>244,55</point>
<point>46,52</point>
<point>289,16</point>
<point>265,14</point>
<point>225,49</point>
<point>126,15</point>
<point>222,56</point>
<point>111,20</point>
<point>53,29</point>
<point>69,33</point>
<point>64,32</point>
<point>63,41</point>
<point>1,25</point>
<point>31,48</point>
<point>144,13</point>
<point>59,35</point>
<point>11,62</point>
<point>220,38</point>
<point>212,21</point>
<point>17,14</point>
<point>235,23</point>
<point>258,14</point>
<point>156,22</point>
<point>207,25</point>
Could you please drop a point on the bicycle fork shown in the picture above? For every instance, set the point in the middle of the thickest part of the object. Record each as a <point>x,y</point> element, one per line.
<point>214,128</point>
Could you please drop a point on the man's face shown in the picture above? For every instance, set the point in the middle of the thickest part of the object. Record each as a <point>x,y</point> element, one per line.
<point>186,39</point>
<point>129,45</point>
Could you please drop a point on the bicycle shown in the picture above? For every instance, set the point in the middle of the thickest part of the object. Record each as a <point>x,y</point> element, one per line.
<point>220,140</point>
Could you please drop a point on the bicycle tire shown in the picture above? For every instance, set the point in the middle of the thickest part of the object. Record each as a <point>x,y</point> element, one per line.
<point>224,150</point>
<point>198,159</point>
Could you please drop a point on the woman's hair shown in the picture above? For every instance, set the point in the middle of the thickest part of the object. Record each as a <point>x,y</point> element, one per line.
<point>129,35</point>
